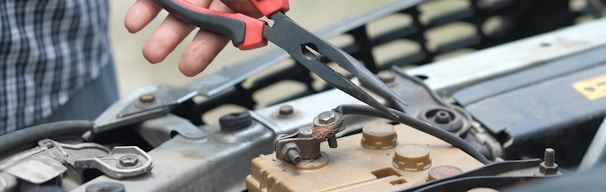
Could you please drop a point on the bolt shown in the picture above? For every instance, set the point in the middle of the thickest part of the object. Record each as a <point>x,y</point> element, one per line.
<point>293,156</point>
<point>332,142</point>
<point>147,98</point>
<point>549,157</point>
<point>305,132</point>
<point>548,166</point>
<point>286,110</point>
<point>387,76</point>
<point>327,117</point>
<point>129,160</point>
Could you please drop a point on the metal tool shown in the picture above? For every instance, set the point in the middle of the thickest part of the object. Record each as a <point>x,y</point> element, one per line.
<point>249,33</point>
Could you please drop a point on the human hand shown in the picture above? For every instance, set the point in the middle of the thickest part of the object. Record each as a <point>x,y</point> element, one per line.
<point>203,48</point>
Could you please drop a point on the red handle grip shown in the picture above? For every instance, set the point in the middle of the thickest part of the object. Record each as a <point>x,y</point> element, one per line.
<point>268,7</point>
<point>244,31</point>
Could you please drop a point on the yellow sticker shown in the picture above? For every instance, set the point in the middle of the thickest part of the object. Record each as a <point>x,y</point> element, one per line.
<point>593,88</point>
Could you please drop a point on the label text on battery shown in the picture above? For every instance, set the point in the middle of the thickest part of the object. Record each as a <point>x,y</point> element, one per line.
<point>593,88</point>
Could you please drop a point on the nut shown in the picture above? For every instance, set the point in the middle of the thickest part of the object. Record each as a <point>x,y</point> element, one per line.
<point>129,160</point>
<point>327,117</point>
<point>290,152</point>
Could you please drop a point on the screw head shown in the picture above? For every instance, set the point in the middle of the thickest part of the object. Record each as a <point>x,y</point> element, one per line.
<point>305,132</point>
<point>147,98</point>
<point>286,110</point>
<point>129,160</point>
<point>327,117</point>
<point>387,76</point>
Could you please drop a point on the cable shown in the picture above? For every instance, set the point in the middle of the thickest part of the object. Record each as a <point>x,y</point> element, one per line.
<point>417,124</point>
<point>25,137</point>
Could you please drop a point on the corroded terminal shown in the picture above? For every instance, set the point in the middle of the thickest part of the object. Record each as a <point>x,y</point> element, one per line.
<point>326,125</point>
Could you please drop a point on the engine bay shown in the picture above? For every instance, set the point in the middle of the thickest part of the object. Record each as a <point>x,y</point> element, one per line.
<point>522,110</point>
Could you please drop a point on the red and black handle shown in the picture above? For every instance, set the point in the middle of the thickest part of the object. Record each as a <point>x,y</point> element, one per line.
<point>244,31</point>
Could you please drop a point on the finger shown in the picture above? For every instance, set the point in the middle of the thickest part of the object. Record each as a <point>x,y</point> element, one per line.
<point>140,14</point>
<point>243,6</point>
<point>204,47</point>
<point>200,53</point>
<point>170,33</point>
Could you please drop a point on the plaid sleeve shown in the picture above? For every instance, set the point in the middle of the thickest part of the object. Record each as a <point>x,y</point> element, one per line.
<point>48,50</point>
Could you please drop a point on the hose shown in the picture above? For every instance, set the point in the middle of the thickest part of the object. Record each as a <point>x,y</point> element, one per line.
<point>25,137</point>
<point>417,124</point>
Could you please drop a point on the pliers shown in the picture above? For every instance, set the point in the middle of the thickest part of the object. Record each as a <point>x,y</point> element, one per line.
<point>307,49</point>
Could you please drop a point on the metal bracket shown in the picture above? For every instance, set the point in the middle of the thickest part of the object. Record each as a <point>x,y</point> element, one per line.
<point>121,162</point>
<point>91,155</point>
<point>142,105</point>
<point>157,131</point>
<point>51,159</point>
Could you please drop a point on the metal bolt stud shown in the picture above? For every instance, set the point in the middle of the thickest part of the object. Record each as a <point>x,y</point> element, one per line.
<point>286,110</point>
<point>387,76</point>
<point>290,152</point>
<point>327,117</point>
<point>293,156</point>
<point>305,132</point>
<point>332,142</point>
<point>549,157</point>
<point>129,160</point>
<point>147,98</point>
<point>548,166</point>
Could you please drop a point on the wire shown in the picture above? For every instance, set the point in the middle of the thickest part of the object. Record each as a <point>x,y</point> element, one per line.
<point>26,137</point>
<point>417,124</point>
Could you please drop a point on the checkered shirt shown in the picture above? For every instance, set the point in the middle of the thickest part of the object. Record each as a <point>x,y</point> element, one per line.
<point>49,49</point>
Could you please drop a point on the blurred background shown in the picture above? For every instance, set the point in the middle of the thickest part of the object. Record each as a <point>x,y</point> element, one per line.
<point>134,71</point>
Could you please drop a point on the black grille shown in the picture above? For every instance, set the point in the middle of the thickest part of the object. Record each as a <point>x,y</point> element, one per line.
<point>415,34</point>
